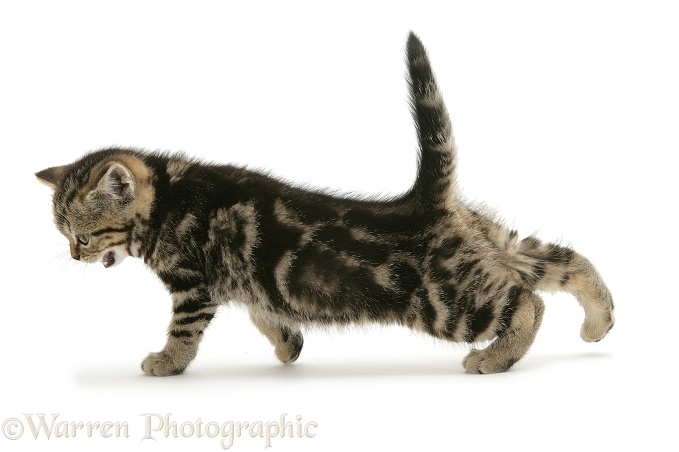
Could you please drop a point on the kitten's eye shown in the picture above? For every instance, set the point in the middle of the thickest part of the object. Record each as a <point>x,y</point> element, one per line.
<point>84,239</point>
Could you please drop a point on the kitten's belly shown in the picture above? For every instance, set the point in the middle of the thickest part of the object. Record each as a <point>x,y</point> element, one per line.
<point>323,284</point>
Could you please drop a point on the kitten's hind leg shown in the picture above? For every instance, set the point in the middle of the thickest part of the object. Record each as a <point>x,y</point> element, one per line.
<point>521,316</point>
<point>287,341</point>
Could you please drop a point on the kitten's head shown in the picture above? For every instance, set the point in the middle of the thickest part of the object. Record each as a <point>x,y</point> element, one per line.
<point>97,202</point>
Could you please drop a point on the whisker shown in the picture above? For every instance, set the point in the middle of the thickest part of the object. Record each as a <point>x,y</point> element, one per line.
<point>65,261</point>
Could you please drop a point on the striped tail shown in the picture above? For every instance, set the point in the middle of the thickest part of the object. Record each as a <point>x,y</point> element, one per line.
<point>434,187</point>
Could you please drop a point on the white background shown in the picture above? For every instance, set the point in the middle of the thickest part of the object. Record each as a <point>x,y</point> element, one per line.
<point>566,123</point>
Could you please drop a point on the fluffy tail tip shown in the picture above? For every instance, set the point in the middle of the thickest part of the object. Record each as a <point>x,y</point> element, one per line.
<point>414,45</point>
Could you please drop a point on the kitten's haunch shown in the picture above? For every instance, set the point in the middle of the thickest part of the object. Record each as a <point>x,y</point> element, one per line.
<point>217,234</point>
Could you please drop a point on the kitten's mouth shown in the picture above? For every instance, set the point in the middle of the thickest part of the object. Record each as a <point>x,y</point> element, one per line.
<point>109,259</point>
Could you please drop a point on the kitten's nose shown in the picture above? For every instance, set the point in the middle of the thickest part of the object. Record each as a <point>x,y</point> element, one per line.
<point>74,253</point>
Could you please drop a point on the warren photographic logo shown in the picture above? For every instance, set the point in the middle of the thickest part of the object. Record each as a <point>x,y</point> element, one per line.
<point>159,427</point>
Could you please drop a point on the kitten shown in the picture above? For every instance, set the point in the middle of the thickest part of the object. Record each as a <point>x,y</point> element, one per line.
<point>297,258</point>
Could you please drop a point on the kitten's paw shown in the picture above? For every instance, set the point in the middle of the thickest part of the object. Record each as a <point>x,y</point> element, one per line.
<point>288,351</point>
<point>161,364</point>
<point>593,330</point>
<point>486,362</point>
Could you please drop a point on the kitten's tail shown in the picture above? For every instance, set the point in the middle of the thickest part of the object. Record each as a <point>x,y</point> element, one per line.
<point>435,183</point>
<point>551,268</point>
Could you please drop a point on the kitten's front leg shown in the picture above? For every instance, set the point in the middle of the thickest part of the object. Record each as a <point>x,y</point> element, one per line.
<point>193,310</point>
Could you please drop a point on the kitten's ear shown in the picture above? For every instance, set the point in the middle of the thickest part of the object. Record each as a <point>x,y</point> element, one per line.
<point>53,176</point>
<point>118,181</point>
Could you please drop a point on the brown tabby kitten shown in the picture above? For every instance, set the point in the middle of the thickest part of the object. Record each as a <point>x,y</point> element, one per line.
<point>295,258</point>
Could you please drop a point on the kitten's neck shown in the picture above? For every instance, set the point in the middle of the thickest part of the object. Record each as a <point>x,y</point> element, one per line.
<point>147,225</point>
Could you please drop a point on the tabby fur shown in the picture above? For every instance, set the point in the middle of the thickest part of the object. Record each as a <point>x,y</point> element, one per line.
<point>295,258</point>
